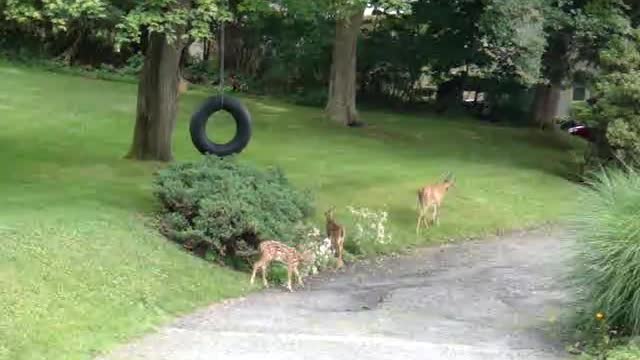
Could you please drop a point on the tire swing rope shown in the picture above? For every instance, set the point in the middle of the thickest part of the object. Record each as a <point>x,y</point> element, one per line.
<point>221,56</point>
<point>214,104</point>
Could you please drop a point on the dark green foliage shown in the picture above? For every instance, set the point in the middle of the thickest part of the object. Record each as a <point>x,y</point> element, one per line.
<point>312,97</point>
<point>450,44</point>
<point>228,207</point>
<point>392,60</point>
<point>615,107</point>
<point>202,72</point>
<point>269,52</point>
<point>295,54</point>
<point>510,101</point>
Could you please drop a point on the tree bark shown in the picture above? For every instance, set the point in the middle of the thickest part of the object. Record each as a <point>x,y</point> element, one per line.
<point>206,50</point>
<point>449,94</point>
<point>558,65</point>
<point>157,100</point>
<point>545,103</point>
<point>341,103</point>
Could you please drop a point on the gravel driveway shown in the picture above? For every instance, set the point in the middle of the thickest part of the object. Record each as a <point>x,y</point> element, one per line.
<point>492,299</point>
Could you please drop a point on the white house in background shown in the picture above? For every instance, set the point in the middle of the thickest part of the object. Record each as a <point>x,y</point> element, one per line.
<point>576,93</point>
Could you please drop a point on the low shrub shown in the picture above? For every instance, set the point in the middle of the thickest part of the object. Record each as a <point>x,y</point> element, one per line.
<point>607,261</point>
<point>224,208</point>
<point>631,352</point>
<point>620,352</point>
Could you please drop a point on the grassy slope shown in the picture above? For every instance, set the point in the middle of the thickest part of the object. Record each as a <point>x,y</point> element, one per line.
<point>80,271</point>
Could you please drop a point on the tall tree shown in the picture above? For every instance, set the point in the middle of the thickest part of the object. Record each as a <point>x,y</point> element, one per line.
<point>349,15</point>
<point>169,25</point>
<point>576,32</point>
<point>341,100</point>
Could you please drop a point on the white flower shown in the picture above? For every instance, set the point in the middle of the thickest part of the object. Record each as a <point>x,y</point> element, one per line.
<point>370,225</point>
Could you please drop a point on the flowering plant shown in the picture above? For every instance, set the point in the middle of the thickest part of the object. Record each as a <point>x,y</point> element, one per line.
<point>370,226</point>
<point>319,246</point>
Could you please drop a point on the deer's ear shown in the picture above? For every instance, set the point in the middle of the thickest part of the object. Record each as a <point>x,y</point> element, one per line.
<point>450,177</point>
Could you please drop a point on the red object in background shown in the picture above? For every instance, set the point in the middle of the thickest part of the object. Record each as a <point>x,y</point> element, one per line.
<point>581,131</point>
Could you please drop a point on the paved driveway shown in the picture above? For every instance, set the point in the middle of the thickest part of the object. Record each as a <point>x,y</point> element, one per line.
<point>492,299</point>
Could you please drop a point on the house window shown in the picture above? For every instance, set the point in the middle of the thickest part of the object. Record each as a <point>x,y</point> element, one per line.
<point>579,92</point>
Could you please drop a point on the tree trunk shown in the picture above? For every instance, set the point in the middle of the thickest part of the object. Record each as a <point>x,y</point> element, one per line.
<point>449,94</point>
<point>545,104</point>
<point>69,55</point>
<point>341,103</point>
<point>157,100</point>
<point>185,56</point>
<point>206,50</point>
<point>558,65</point>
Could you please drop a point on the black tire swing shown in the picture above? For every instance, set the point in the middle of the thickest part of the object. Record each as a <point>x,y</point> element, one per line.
<point>214,104</point>
<point>199,124</point>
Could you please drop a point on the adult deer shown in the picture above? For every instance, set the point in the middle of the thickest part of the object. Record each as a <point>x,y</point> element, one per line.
<point>430,197</point>
<point>336,233</point>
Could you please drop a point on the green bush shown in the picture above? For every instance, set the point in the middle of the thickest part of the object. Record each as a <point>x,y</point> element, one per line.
<point>607,262</point>
<point>613,110</point>
<point>134,64</point>
<point>202,72</point>
<point>625,353</point>
<point>224,208</point>
<point>622,352</point>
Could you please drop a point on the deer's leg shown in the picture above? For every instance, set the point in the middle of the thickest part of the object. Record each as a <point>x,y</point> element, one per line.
<point>340,252</point>
<point>429,221</point>
<point>264,275</point>
<point>297,274</point>
<point>344,236</point>
<point>289,273</point>
<point>253,274</point>
<point>420,216</point>
<point>435,220</point>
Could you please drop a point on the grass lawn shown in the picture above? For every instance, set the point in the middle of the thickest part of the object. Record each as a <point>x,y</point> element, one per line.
<point>80,271</point>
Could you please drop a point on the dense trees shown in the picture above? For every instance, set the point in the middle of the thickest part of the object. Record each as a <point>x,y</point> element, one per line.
<point>328,52</point>
<point>454,42</point>
<point>576,31</point>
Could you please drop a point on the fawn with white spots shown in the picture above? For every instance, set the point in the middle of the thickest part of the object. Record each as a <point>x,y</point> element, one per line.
<point>276,251</point>
<point>336,233</point>
<point>430,197</point>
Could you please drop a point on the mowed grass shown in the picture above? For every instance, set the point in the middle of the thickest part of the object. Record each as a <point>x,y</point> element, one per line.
<point>80,270</point>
